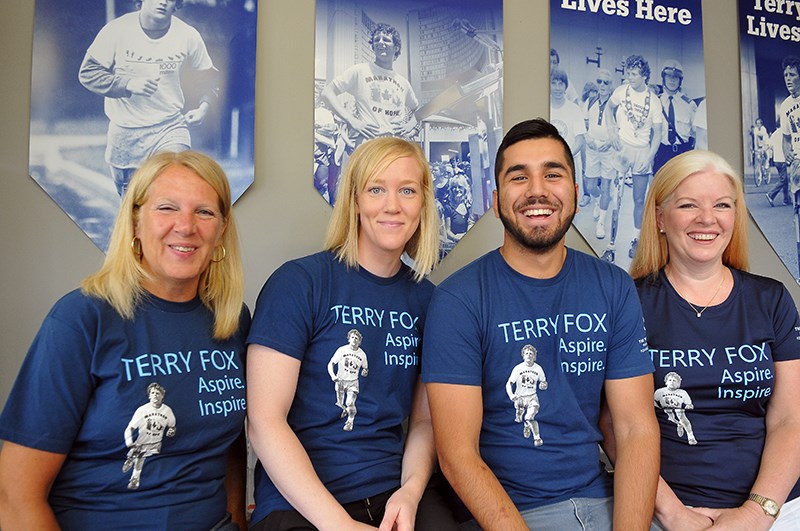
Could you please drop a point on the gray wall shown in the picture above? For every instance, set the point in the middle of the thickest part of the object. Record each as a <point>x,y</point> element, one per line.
<point>44,254</point>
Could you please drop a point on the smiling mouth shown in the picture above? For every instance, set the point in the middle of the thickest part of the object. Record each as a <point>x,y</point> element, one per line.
<point>183,248</point>
<point>536,212</point>
<point>703,237</point>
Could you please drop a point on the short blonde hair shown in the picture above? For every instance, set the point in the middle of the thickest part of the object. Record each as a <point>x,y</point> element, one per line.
<point>119,279</point>
<point>367,161</point>
<point>652,252</point>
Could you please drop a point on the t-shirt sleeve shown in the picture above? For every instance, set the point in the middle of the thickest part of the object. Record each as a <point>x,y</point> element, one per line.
<point>198,52</point>
<point>787,328</point>
<point>47,404</point>
<point>451,346</point>
<point>628,353</point>
<point>103,47</point>
<point>284,312</point>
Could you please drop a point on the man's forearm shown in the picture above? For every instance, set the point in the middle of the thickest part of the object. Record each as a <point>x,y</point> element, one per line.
<point>635,479</point>
<point>483,494</point>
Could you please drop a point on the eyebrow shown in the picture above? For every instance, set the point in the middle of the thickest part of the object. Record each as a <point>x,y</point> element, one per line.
<point>550,164</point>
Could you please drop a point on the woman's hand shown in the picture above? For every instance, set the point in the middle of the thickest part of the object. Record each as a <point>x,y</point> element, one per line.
<point>401,512</point>
<point>744,518</point>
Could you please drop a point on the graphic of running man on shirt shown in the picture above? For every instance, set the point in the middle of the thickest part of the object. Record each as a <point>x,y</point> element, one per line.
<point>349,359</point>
<point>675,401</point>
<point>152,421</point>
<point>526,377</point>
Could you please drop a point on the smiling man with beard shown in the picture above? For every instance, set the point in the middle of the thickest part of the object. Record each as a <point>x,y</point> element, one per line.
<point>576,311</point>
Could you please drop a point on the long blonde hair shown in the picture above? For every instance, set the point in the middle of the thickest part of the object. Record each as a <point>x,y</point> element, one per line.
<point>367,161</point>
<point>119,279</point>
<point>652,252</point>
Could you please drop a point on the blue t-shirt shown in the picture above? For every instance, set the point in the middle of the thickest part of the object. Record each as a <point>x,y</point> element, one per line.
<point>85,387</point>
<point>306,310</point>
<point>713,424</point>
<point>586,325</point>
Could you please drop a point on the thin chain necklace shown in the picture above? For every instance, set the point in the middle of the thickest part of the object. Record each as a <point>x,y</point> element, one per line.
<point>697,311</point>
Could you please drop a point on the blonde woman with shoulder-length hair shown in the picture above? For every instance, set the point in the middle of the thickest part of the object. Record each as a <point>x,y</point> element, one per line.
<point>654,250</point>
<point>333,361</point>
<point>221,286</point>
<point>709,322</point>
<point>130,404</point>
<point>365,163</point>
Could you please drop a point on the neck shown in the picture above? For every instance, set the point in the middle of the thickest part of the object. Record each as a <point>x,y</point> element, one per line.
<point>386,64</point>
<point>534,264</point>
<point>152,28</point>
<point>700,285</point>
<point>384,265</point>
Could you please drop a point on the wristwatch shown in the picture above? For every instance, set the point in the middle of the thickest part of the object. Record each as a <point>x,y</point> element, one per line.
<point>770,507</point>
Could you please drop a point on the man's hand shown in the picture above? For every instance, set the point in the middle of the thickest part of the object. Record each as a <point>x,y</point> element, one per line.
<point>143,86</point>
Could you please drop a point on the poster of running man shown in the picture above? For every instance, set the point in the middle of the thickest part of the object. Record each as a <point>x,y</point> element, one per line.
<point>769,37</point>
<point>627,92</point>
<point>115,81</point>
<point>430,71</point>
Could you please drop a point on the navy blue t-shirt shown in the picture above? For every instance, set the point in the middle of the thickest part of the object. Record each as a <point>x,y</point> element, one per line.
<point>306,310</point>
<point>713,422</point>
<point>85,390</point>
<point>586,325</point>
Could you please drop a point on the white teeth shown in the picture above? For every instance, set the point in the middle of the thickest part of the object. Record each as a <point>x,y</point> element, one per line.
<point>538,212</point>
<point>182,248</point>
<point>705,237</point>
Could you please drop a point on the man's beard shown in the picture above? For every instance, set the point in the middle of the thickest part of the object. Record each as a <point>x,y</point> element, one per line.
<point>538,239</point>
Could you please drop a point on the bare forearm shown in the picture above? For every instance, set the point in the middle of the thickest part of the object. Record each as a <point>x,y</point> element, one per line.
<point>635,479</point>
<point>419,458</point>
<point>780,462</point>
<point>289,467</point>
<point>26,514</point>
<point>482,493</point>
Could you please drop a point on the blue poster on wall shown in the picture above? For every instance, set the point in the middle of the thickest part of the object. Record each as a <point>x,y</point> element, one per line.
<point>441,86</point>
<point>113,82</point>
<point>637,67</point>
<point>769,37</point>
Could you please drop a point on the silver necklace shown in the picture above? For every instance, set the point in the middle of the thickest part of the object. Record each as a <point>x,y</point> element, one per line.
<point>697,311</point>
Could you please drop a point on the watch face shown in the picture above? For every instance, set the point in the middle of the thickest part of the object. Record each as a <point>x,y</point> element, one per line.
<point>770,507</point>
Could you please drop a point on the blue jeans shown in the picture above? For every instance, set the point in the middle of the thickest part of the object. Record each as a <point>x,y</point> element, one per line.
<point>578,514</point>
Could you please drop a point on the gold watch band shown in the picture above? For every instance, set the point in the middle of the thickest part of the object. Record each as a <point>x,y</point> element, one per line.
<point>769,506</point>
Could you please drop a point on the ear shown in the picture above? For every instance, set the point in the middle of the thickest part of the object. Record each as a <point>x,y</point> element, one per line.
<point>494,204</point>
<point>659,219</point>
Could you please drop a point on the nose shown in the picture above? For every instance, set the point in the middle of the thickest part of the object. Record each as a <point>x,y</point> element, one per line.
<point>392,202</point>
<point>705,215</point>
<point>536,187</point>
<point>184,222</point>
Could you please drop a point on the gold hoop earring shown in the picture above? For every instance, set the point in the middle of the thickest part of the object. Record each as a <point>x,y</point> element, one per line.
<point>136,246</point>
<point>224,254</point>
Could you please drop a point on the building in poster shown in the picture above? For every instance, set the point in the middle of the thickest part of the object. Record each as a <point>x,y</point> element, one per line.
<point>115,81</point>
<point>636,71</point>
<point>770,66</point>
<point>429,71</point>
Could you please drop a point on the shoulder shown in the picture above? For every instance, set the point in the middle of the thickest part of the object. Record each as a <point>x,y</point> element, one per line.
<point>584,262</point>
<point>178,25</point>
<point>752,283</point>
<point>78,306</point>
<point>312,265</point>
<point>465,278</point>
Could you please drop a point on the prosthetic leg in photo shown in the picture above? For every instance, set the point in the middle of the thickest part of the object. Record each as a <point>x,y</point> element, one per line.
<point>618,187</point>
